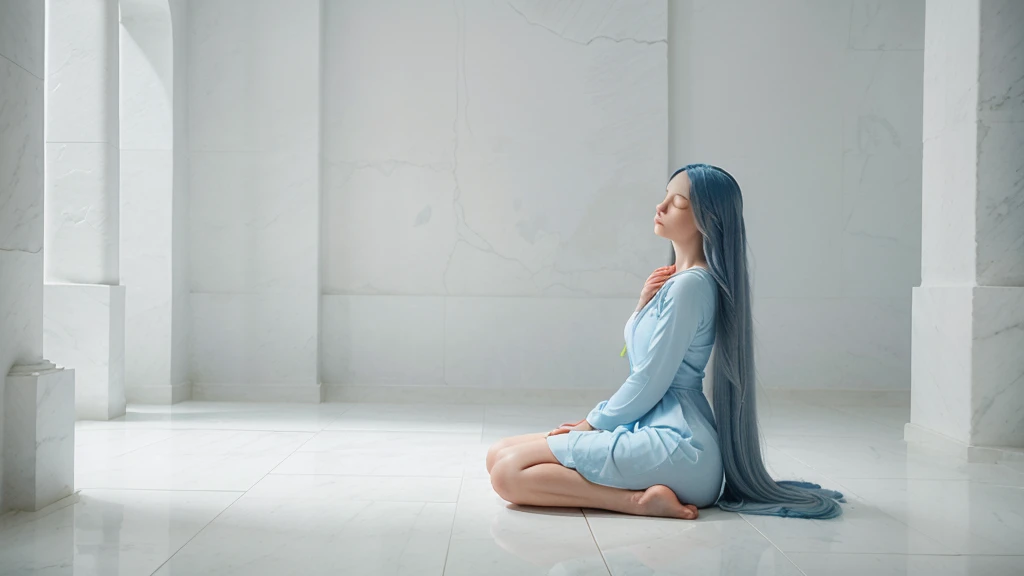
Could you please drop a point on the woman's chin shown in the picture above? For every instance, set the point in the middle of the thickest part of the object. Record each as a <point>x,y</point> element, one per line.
<point>659,230</point>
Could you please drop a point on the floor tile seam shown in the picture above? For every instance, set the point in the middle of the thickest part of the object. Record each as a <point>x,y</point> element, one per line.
<point>451,529</point>
<point>147,445</point>
<point>198,532</point>
<point>777,547</point>
<point>177,432</point>
<point>226,508</point>
<point>593,537</point>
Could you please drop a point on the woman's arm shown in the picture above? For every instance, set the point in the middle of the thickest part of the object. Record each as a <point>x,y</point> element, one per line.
<point>681,314</point>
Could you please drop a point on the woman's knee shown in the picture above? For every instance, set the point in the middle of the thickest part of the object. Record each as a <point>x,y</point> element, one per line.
<point>494,453</point>
<point>503,479</point>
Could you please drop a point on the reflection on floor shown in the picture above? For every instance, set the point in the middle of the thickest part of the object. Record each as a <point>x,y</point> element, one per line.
<point>360,489</point>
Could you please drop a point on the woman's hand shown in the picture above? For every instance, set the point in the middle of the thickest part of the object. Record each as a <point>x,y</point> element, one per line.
<point>581,426</point>
<point>654,283</point>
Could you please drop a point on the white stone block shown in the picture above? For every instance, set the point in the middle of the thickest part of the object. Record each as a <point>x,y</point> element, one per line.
<point>1000,210</point>
<point>949,174</point>
<point>259,347</point>
<point>829,343</point>
<point>147,271</point>
<point>254,222</point>
<point>881,249</point>
<point>83,326</point>
<point>82,213</point>
<point>530,343</point>
<point>383,340</point>
<point>1001,67</point>
<point>878,114</point>
<point>264,53</point>
<point>21,35</point>
<point>997,395</point>
<point>941,360</point>
<point>146,77</point>
<point>39,436</point>
<point>21,155</point>
<point>82,81</point>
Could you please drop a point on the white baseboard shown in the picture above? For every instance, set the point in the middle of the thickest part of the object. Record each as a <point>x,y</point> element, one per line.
<point>298,393</point>
<point>456,395</point>
<point>840,397</point>
<point>159,395</point>
<point>921,436</point>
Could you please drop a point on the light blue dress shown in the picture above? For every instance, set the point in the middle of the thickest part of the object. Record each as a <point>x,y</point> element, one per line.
<point>658,428</point>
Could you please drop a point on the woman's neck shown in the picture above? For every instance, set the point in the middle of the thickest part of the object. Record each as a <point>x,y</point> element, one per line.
<point>689,255</point>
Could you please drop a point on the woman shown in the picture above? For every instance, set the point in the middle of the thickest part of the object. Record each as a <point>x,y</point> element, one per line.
<point>653,448</point>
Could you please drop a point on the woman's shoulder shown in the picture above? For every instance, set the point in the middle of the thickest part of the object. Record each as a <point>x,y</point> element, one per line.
<point>695,287</point>
<point>693,282</point>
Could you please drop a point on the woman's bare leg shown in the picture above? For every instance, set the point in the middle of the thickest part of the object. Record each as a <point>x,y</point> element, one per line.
<point>495,450</point>
<point>528,474</point>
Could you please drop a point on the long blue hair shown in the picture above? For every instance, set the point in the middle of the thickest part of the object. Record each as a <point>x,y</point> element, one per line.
<point>718,210</point>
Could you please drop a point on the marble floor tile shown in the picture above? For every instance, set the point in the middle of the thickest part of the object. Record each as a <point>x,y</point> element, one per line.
<point>863,528</point>
<point>122,532</point>
<point>359,488</point>
<point>193,460</point>
<point>253,489</point>
<point>278,417</point>
<point>491,536</point>
<point>717,543</point>
<point>966,517</point>
<point>906,565</point>
<point>444,462</point>
<point>265,534</point>
<point>875,458</point>
<point>411,418</point>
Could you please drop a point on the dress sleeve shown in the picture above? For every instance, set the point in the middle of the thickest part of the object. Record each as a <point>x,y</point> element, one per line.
<point>681,314</point>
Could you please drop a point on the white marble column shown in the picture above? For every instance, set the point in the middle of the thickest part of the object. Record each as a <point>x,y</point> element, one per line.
<point>27,452</point>
<point>39,435</point>
<point>968,313</point>
<point>84,303</point>
<point>151,190</point>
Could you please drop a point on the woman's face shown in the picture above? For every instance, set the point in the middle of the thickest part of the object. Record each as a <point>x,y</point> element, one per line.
<point>673,217</point>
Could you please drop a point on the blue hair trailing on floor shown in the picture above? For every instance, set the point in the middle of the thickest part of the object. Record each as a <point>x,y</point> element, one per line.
<point>718,209</point>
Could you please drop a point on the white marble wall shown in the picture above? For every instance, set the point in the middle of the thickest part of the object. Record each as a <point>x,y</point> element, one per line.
<point>490,173</point>
<point>149,185</point>
<point>253,108</point>
<point>816,109</point>
<point>21,191</point>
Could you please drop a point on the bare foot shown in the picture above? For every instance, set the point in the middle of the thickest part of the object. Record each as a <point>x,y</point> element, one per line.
<point>661,501</point>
